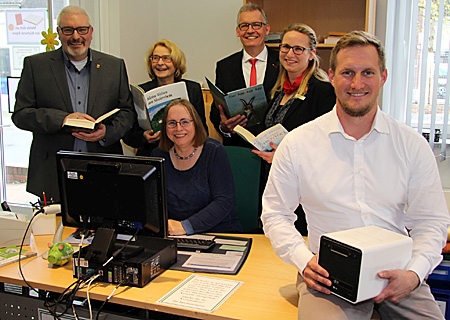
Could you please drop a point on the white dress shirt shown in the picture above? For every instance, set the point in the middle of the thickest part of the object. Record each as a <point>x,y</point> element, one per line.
<point>260,66</point>
<point>388,178</point>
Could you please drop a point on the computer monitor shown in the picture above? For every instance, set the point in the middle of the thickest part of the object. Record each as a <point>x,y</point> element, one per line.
<point>113,191</point>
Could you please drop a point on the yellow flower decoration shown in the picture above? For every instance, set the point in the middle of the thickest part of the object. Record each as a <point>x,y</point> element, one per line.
<point>49,39</point>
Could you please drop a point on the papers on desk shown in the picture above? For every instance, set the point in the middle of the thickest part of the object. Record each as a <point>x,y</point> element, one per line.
<point>212,261</point>
<point>227,256</point>
<point>201,293</point>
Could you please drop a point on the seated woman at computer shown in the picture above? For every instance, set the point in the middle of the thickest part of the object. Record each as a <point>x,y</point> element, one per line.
<point>200,189</point>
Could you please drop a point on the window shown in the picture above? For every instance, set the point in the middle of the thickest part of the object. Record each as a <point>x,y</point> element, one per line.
<point>417,48</point>
<point>21,24</point>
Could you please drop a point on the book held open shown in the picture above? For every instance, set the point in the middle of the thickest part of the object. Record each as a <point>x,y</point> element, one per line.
<point>262,141</point>
<point>86,125</point>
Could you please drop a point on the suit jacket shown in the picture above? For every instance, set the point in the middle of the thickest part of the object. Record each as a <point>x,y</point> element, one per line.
<point>319,99</point>
<point>43,101</point>
<point>135,138</point>
<point>229,77</point>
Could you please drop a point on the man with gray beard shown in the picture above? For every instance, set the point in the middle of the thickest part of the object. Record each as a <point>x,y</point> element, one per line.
<point>71,82</point>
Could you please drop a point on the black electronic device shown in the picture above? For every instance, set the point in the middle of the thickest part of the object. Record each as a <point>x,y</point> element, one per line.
<point>113,191</point>
<point>194,243</point>
<point>137,265</point>
<point>117,195</point>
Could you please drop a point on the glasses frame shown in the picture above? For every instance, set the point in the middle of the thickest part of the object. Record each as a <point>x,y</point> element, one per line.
<point>77,29</point>
<point>172,124</point>
<point>283,46</point>
<point>244,26</point>
<point>165,58</point>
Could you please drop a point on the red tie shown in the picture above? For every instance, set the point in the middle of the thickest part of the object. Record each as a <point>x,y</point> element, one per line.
<point>253,72</point>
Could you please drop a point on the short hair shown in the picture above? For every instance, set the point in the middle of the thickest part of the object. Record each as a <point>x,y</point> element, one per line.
<point>200,133</point>
<point>178,58</point>
<point>252,7</point>
<point>313,68</point>
<point>72,10</point>
<point>358,38</point>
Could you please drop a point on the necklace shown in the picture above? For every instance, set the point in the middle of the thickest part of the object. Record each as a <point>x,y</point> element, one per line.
<point>184,158</point>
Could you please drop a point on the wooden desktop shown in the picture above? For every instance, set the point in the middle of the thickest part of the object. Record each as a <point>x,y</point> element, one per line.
<point>268,289</point>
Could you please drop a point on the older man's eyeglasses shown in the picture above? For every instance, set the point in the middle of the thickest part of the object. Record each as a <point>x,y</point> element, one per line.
<point>183,122</point>
<point>255,25</point>
<point>68,31</point>
<point>296,49</point>
<point>165,58</point>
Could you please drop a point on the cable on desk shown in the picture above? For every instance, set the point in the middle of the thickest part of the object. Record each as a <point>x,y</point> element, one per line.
<point>78,266</point>
<point>110,295</point>
<point>68,295</point>
<point>65,298</point>
<point>75,315</point>
<point>87,294</point>
<point>40,210</point>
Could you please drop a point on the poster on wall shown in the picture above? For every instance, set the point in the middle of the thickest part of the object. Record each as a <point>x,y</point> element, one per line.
<point>20,52</point>
<point>25,26</point>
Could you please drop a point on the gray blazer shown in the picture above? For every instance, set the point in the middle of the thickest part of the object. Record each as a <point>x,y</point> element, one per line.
<point>43,101</point>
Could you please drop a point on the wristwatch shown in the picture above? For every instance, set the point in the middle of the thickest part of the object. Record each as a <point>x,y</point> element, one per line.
<point>225,134</point>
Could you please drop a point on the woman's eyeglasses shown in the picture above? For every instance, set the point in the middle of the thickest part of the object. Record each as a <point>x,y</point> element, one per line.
<point>296,49</point>
<point>183,122</point>
<point>155,58</point>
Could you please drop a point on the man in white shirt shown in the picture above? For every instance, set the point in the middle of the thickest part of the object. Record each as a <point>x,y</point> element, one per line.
<point>356,166</point>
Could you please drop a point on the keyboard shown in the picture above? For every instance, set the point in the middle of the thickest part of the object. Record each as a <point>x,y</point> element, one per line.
<point>195,243</point>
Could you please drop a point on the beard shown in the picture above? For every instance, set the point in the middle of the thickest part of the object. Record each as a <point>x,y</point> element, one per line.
<point>77,52</point>
<point>357,112</point>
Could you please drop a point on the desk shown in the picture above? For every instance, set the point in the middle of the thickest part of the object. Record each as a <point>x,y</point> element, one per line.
<point>268,289</point>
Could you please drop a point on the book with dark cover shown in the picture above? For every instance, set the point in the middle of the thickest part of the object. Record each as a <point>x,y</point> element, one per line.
<point>250,102</point>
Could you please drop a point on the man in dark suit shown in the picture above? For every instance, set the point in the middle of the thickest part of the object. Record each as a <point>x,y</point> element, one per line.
<point>233,72</point>
<point>71,82</point>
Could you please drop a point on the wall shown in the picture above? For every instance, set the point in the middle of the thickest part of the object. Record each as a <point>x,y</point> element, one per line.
<point>203,29</point>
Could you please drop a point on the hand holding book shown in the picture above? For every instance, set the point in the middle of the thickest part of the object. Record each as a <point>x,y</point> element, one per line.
<point>84,122</point>
<point>262,141</point>
<point>227,125</point>
<point>150,105</point>
<point>250,102</point>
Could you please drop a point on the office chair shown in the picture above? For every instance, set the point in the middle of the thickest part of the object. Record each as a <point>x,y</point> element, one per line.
<point>246,168</point>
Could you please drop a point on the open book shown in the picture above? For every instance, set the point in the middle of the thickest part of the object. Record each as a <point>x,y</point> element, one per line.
<point>150,105</point>
<point>86,125</point>
<point>262,141</point>
<point>249,101</point>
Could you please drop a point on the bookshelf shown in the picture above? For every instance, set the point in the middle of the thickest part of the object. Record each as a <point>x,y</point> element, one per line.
<point>323,16</point>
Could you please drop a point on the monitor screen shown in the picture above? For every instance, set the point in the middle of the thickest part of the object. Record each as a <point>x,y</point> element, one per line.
<point>113,191</point>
